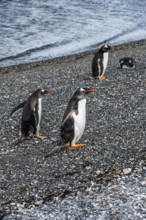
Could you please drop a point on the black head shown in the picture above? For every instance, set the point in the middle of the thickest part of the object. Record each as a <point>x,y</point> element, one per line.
<point>81,92</point>
<point>41,93</point>
<point>105,48</point>
<point>45,92</point>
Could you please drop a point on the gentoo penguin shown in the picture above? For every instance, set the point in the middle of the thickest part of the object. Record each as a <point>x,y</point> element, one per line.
<point>100,61</point>
<point>127,63</point>
<point>74,119</point>
<point>31,116</point>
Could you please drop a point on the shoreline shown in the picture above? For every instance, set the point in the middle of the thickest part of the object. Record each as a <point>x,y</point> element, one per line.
<point>23,66</point>
<point>114,130</point>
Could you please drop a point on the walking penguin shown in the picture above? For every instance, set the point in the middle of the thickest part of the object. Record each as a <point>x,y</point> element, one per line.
<point>31,116</point>
<point>74,119</point>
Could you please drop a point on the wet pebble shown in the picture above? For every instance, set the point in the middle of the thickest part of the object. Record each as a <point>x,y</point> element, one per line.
<point>127,171</point>
<point>121,199</point>
<point>76,183</point>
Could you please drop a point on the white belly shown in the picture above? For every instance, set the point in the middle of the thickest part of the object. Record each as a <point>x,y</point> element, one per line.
<point>80,121</point>
<point>40,114</point>
<point>105,62</point>
<point>126,67</point>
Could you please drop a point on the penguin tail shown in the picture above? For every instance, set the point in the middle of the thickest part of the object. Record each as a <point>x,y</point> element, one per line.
<point>88,78</point>
<point>17,142</point>
<point>21,105</point>
<point>57,149</point>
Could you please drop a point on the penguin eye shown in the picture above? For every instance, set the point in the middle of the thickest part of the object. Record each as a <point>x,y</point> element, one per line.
<point>82,90</point>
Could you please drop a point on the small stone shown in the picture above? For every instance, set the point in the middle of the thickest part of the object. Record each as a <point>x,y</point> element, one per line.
<point>114,188</point>
<point>143,183</point>
<point>55,131</point>
<point>1,208</point>
<point>127,171</point>
<point>98,172</point>
<point>13,204</point>
<point>88,168</point>
<point>53,139</point>
<point>39,202</point>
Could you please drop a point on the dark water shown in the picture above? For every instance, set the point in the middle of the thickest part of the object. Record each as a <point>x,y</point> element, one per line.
<point>37,30</point>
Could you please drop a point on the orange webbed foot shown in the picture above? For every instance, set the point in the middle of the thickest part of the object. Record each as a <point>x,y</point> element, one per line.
<point>42,137</point>
<point>102,78</point>
<point>75,146</point>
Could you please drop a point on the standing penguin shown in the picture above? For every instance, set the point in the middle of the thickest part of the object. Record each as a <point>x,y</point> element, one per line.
<point>74,119</point>
<point>31,116</point>
<point>127,63</point>
<point>100,61</point>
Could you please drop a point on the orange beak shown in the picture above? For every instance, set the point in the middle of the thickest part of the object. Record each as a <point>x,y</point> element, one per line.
<point>114,48</point>
<point>91,90</point>
<point>49,92</point>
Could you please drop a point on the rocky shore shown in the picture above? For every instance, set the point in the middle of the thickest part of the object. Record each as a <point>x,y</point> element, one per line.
<point>78,182</point>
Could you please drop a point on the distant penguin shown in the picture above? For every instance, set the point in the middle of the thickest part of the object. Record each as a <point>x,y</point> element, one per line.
<point>31,116</point>
<point>127,63</point>
<point>100,61</point>
<point>74,119</point>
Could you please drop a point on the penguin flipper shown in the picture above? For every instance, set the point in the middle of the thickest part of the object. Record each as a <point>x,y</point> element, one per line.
<point>21,105</point>
<point>28,123</point>
<point>67,129</point>
<point>97,64</point>
<point>101,67</point>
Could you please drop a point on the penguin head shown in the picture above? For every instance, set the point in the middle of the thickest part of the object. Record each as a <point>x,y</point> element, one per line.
<point>81,92</point>
<point>105,48</point>
<point>43,92</point>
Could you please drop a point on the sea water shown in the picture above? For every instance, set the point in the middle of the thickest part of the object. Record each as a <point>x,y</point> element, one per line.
<point>34,30</point>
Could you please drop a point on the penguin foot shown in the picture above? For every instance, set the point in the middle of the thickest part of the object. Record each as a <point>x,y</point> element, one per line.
<point>42,137</point>
<point>102,78</point>
<point>75,147</point>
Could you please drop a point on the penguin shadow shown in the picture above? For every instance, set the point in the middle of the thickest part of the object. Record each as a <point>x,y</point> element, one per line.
<point>22,144</point>
<point>92,78</point>
<point>96,81</point>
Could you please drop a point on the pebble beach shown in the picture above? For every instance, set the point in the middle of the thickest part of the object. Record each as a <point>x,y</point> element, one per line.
<point>104,180</point>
